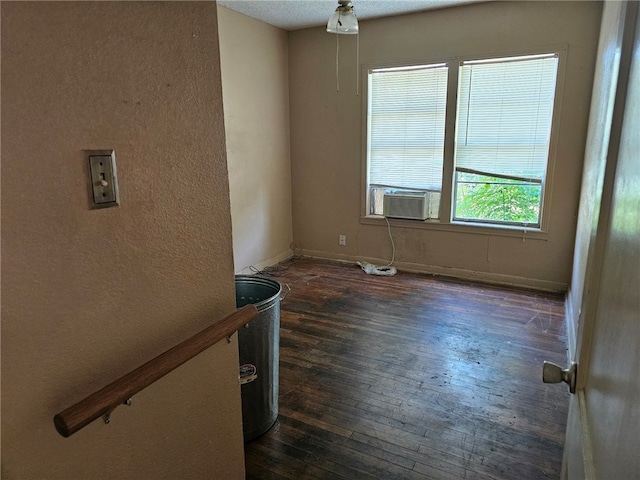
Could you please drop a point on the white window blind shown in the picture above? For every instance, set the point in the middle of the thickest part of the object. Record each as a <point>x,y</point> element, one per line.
<point>505,108</point>
<point>406,121</point>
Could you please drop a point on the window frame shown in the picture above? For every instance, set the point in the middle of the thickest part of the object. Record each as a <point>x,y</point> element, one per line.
<point>445,221</point>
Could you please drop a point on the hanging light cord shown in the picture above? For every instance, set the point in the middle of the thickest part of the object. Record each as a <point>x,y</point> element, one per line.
<point>357,64</point>
<point>337,62</point>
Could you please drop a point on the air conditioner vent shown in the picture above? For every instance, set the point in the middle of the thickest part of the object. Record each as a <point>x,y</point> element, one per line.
<point>411,205</point>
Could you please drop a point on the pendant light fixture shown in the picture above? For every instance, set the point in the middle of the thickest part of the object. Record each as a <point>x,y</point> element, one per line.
<point>344,22</point>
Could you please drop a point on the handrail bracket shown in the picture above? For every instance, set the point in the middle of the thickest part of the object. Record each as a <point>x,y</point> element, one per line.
<point>107,416</point>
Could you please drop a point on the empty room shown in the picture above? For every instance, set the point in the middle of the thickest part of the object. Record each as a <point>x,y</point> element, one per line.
<point>445,195</point>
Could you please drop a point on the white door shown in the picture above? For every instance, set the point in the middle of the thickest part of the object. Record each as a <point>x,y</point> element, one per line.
<point>603,432</point>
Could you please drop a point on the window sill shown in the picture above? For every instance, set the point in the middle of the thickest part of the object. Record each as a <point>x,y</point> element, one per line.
<point>460,227</point>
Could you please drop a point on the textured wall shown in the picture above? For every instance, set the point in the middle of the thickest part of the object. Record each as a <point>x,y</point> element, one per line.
<point>255,91</point>
<point>327,132</point>
<point>88,295</point>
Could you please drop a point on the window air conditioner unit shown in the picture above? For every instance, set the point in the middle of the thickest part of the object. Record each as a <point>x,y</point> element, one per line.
<point>411,205</point>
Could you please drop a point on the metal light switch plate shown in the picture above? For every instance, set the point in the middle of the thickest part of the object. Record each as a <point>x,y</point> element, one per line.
<point>104,179</point>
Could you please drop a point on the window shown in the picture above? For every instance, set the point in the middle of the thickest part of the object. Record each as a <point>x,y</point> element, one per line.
<point>499,153</point>
<point>503,129</point>
<point>406,120</point>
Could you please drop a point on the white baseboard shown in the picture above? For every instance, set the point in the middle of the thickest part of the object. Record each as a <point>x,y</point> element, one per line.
<point>484,277</point>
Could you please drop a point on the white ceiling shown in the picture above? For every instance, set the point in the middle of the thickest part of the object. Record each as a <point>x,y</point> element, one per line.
<point>297,14</point>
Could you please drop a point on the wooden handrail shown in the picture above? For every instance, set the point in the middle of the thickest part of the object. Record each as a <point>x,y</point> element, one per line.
<point>105,400</point>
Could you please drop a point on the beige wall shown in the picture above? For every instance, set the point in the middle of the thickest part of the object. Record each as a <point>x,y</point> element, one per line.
<point>88,295</point>
<point>326,133</point>
<point>255,91</point>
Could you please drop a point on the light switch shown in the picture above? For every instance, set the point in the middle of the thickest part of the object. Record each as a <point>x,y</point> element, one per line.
<point>104,181</point>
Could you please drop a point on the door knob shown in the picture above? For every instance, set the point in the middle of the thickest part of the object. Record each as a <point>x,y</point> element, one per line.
<point>552,373</point>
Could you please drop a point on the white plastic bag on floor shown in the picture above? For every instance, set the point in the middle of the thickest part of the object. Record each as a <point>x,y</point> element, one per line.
<point>371,269</point>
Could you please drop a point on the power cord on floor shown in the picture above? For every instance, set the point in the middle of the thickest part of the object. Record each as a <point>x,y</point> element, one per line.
<point>274,270</point>
<point>386,270</point>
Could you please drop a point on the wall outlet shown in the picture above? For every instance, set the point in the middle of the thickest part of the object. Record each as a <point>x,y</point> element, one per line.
<point>342,240</point>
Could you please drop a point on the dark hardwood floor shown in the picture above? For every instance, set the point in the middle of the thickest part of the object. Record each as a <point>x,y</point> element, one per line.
<point>413,377</point>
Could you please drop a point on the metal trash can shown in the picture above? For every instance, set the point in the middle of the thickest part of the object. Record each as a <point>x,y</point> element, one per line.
<point>259,345</point>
